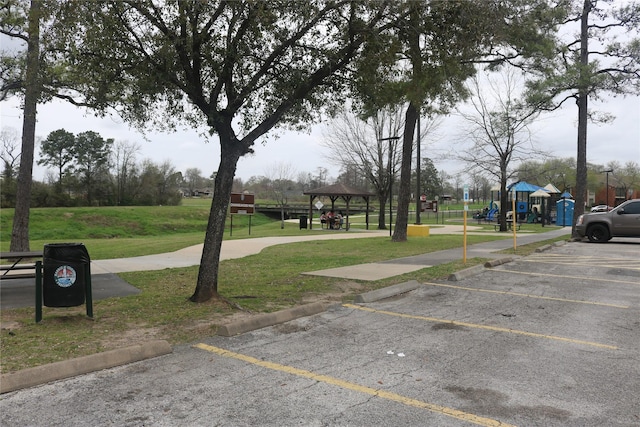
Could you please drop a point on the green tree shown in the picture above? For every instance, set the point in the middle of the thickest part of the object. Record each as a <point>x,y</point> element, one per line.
<point>158,184</point>
<point>425,60</point>
<point>557,171</point>
<point>22,22</point>
<point>59,151</point>
<point>241,68</point>
<point>430,181</point>
<point>581,72</point>
<point>91,155</point>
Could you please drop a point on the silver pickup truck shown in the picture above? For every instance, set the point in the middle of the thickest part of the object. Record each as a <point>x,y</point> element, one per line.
<point>621,221</point>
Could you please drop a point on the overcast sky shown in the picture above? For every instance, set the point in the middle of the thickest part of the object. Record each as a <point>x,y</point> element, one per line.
<point>554,132</point>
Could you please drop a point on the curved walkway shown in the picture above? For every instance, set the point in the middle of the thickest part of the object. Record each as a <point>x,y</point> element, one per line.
<point>232,249</point>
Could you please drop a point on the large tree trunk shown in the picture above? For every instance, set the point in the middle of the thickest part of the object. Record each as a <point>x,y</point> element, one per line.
<point>20,231</point>
<point>404,193</point>
<point>382,214</point>
<point>207,286</point>
<point>504,199</point>
<point>581,159</point>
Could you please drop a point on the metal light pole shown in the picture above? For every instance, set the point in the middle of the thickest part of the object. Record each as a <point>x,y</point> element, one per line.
<point>608,171</point>
<point>418,199</point>
<point>391,138</point>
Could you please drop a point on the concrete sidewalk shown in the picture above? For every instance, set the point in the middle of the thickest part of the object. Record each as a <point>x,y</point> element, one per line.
<point>232,249</point>
<point>395,267</point>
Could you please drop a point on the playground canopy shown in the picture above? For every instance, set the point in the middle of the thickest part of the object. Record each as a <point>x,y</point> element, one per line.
<point>540,193</point>
<point>523,187</point>
<point>552,189</point>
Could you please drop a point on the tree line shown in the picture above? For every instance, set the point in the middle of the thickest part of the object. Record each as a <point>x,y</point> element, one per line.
<point>89,170</point>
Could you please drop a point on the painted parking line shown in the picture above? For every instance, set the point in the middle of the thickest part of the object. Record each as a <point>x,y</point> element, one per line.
<point>624,263</point>
<point>597,279</point>
<point>443,410</point>
<point>491,291</point>
<point>485,327</point>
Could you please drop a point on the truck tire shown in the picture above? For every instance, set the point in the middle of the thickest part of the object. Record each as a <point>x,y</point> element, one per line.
<point>598,233</point>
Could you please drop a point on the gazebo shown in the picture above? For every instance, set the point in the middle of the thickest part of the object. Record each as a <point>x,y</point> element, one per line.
<point>335,192</point>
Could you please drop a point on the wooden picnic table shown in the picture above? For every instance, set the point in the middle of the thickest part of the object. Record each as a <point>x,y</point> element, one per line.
<point>16,258</point>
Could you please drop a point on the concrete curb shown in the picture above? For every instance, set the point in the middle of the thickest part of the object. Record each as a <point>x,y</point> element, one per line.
<point>497,262</point>
<point>467,272</point>
<point>82,365</point>
<point>387,292</point>
<point>270,319</point>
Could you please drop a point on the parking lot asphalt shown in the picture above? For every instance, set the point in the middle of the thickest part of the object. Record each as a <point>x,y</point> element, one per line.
<point>551,339</point>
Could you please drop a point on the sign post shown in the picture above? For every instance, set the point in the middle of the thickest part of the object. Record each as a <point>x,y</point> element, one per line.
<point>241,204</point>
<point>464,216</point>
<point>514,218</point>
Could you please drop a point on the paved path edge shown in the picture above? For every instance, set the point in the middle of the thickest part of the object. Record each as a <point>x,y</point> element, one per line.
<point>39,375</point>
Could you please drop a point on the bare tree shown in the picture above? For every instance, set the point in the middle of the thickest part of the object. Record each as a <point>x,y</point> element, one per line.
<point>193,177</point>
<point>123,161</point>
<point>364,145</point>
<point>9,153</point>
<point>498,130</point>
<point>10,157</point>
<point>281,184</point>
<point>626,178</point>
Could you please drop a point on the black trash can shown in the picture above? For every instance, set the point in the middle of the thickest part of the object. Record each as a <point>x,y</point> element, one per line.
<point>303,221</point>
<point>66,266</point>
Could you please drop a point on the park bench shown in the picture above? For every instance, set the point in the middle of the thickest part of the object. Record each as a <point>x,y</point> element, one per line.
<point>19,262</point>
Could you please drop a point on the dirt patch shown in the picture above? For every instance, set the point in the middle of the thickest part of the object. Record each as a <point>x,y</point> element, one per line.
<point>133,335</point>
<point>339,291</point>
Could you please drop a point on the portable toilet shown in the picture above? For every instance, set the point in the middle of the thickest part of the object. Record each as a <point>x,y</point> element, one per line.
<point>564,212</point>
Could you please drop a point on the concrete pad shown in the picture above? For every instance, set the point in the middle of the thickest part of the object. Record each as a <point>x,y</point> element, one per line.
<point>82,365</point>
<point>389,291</point>
<point>370,272</point>
<point>18,293</point>
<point>269,319</point>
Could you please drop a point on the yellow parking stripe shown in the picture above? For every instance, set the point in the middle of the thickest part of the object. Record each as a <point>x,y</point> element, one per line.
<point>491,291</point>
<point>486,327</point>
<point>597,279</point>
<point>464,416</point>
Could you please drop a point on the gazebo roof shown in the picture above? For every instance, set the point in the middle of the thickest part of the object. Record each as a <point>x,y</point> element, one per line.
<point>338,190</point>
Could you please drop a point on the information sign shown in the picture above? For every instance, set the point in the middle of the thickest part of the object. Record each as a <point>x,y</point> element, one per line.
<point>242,203</point>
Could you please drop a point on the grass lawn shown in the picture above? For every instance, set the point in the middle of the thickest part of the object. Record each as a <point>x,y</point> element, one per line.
<point>162,310</point>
